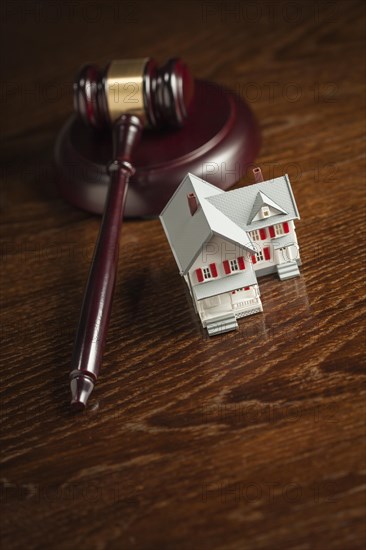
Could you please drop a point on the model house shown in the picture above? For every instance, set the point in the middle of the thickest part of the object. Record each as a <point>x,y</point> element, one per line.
<point>222,241</point>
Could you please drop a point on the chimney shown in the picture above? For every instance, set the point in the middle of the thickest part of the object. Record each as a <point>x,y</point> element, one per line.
<point>192,203</point>
<point>258,176</point>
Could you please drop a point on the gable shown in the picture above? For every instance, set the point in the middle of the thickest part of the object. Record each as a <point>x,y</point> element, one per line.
<point>262,200</point>
<point>186,233</point>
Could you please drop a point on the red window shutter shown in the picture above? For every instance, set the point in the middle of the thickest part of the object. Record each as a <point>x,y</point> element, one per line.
<point>267,253</point>
<point>272,232</point>
<point>227,267</point>
<point>246,288</point>
<point>199,274</point>
<point>254,259</point>
<point>286,227</point>
<point>263,234</point>
<point>241,263</point>
<point>213,270</point>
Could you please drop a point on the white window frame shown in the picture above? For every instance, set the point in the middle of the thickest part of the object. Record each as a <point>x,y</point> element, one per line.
<point>259,256</point>
<point>279,230</point>
<point>206,272</point>
<point>265,212</point>
<point>234,265</point>
<point>254,235</point>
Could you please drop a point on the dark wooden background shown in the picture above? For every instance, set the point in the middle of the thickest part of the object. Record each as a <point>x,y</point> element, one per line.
<point>252,440</point>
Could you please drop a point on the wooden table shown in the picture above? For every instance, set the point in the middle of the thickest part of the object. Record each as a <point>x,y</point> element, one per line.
<point>251,440</point>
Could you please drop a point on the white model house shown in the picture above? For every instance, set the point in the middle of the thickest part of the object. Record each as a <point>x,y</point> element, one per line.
<point>222,240</point>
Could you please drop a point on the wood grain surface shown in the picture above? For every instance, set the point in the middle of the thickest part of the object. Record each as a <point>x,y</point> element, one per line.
<point>251,440</point>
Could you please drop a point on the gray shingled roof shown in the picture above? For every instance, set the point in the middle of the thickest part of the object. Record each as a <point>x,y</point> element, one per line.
<point>187,234</point>
<point>238,204</point>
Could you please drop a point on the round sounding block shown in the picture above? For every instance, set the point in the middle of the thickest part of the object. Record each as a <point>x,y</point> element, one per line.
<point>218,143</point>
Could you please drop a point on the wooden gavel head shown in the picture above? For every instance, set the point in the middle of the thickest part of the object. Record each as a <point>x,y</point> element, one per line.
<point>160,96</point>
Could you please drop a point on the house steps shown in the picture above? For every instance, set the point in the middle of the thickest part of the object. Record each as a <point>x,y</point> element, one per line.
<point>288,270</point>
<point>225,324</point>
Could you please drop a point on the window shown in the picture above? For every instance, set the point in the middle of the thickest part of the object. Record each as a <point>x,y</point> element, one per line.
<point>254,235</point>
<point>265,212</point>
<point>234,265</point>
<point>279,229</point>
<point>258,234</point>
<point>206,273</point>
<point>231,266</point>
<point>259,256</point>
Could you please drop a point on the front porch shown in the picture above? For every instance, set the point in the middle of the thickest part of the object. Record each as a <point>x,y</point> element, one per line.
<point>221,301</point>
<point>238,303</point>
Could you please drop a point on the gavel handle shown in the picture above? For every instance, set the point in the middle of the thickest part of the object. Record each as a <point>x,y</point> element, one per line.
<point>98,296</point>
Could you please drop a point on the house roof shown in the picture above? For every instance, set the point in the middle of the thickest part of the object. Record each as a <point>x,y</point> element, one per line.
<point>187,234</point>
<point>240,204</point>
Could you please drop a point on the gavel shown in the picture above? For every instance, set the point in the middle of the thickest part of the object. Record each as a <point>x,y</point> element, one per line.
<point>127,95</point>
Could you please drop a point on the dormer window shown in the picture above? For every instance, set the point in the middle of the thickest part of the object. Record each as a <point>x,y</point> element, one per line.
<point>265,212</point>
